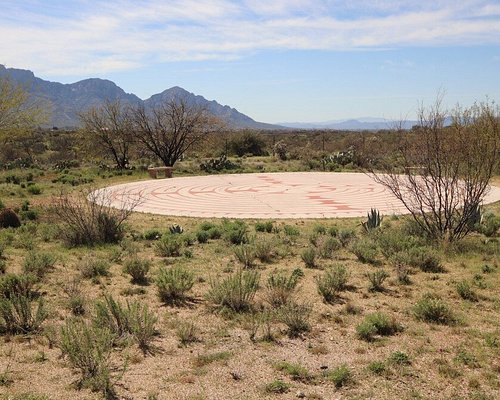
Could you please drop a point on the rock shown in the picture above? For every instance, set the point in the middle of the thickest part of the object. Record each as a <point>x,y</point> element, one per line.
<point>300,394</point>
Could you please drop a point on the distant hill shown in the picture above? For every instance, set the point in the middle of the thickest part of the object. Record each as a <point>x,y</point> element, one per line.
<point>358,124</point>
<point>67,100</point>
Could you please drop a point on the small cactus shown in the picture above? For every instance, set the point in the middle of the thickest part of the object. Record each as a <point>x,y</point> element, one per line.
<point>374,220</point>
<point>176,229</point>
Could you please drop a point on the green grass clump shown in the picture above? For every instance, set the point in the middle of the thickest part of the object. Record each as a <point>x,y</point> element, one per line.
<point>21,314</point>
<point>377,367</point>
<point>332,282</point>
<point>424,258</point>
<point>205,359</point>
<point>291,230</point>
<point>465,291</point>
<point>264,250</point>
<point>38,263</point>
<point>377,324</point>
<point>187,332</point>
<point>88,349</point>
<point>16,285</point>
<point>265,226</point>
<point>277,387</point>
<point>169,246</point>
<point>340,376</point>
<point>431,308</point>
<point>328,246</point>
<point>309,257</point>
<point>138,269</point>
<point>399,358</point>
<point>366,251</point>
<point>296,317</point>
<point>280,288</point>
<point>202,236</point>
<point>92,267</point>
<point>295,371</point>
<point>245,255</point>
<point>235,292</point>
<point>377,280</point>
<point>235,232</point>
<point>174,283</point>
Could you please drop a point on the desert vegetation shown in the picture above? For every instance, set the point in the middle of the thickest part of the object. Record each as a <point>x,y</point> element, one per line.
<point>105,303</point>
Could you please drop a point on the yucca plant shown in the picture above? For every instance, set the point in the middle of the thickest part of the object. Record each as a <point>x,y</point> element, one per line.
<point>176,229</point>
<point>374,220</point>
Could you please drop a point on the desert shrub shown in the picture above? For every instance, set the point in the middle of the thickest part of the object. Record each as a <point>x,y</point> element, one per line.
<point>133,319</point>
<point>340,376</point>
<point>3,265</point>
<point>392,241</point>
<point>247,143</point>
<point>333,230</point>
<point>489,225</point>
<point>377,280</point>
<point>264,226</point>
<point>174,283</point>
<point>235,232</point>
<point>403,274</point>
<point>346,236</point>
<point>365,250</point>
<point>168,246</point>
<point>235,292</point>
<point>332,282</point>
<point>76,298</point>
<point>291,230</point>
<point>89,219</point>
<point>205,359</point>
<point>88,349</point>
<point>263,250</point>
<point>296,317</point>
<point>187,332</point>
<point>309,257</point>
<point>215,233</point>
<point>465,291</point>
<point>38,263</point>
<point>9,219</point>
<point>295,371</point>
<point>399,358</point>
<point>431,308</point>
<point>377,367</point>
<point>152,234</point>
<point>377,324</point>
<point>424,258</point>
<point>280,288</point>
<point>245,254</point>
<point>328,246</point>
<point>21,314</point>
<point>202,236</point>
<point>138,269</point>
<point>16,285</point>
<point>92,267</point>
<point>277,387</point>
<point>34,189</point>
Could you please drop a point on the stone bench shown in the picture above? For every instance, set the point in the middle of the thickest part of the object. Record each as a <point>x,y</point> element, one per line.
<point>154,171</point>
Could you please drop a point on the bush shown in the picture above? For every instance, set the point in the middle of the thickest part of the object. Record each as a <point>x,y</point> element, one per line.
<point>377,324</point>
<point>236,232</point>
<point>377,367</point>
<point>291,230</point>
<point>277,387</point>
<point>266,226</point>
<point>202,236</point>
<point>465,291</point>
<point>235,292</point>
<point>309,257</point>
<point>328,246</point>
<point>9,219</point>
<point>76,299</point>
<point>263,250</point>
<point>296,317</point>
<point>245,254</point>
<point>366,251</point>
<point>399,358</point>
<point>92,267</point>
<point>186,332</point>
<point>3,265</point>
<point>377,280</point>
<point>280,288</point>
<point>392,241</point>
<point>332,282</point>
<point>346,236</point>
<point>88,349</point>
<point>296,371</point>
<point>424,258</point>
<point>173,284</point>
<point>16,285</point>
<point>134,319</point>
<point>89,218</point>
<point>247,143</point>
<point>152,234</point>
<point>18,315</point>
<point>169,246</point>
<point>38,263</point>
<point>138,269</point>
<point>340,376</point>
<point>431,308</point>
<point>34,189</point>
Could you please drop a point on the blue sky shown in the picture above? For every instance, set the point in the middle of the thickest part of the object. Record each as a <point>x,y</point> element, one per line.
<point>276,61</point>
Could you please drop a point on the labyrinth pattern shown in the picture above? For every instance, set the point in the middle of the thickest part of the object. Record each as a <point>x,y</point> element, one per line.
<point>262,195</point>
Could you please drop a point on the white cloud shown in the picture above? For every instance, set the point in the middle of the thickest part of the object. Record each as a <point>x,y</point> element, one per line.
<point>104,36</point>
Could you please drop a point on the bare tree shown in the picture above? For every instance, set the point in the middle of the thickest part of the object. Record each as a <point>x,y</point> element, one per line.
<point>167,131</point>
<point>444,171</point>
<point>108,129</point>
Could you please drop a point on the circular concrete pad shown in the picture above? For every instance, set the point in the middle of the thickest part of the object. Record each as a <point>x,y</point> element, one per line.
<point>262,195</point>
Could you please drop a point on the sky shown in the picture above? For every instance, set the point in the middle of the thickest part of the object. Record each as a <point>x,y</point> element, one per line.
<point>274,60</point>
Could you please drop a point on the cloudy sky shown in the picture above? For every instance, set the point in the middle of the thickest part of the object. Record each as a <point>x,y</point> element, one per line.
<point>275,60</point>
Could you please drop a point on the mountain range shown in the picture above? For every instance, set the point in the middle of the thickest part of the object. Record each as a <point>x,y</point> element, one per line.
<point>357,124</point>
<point>66,101</point>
